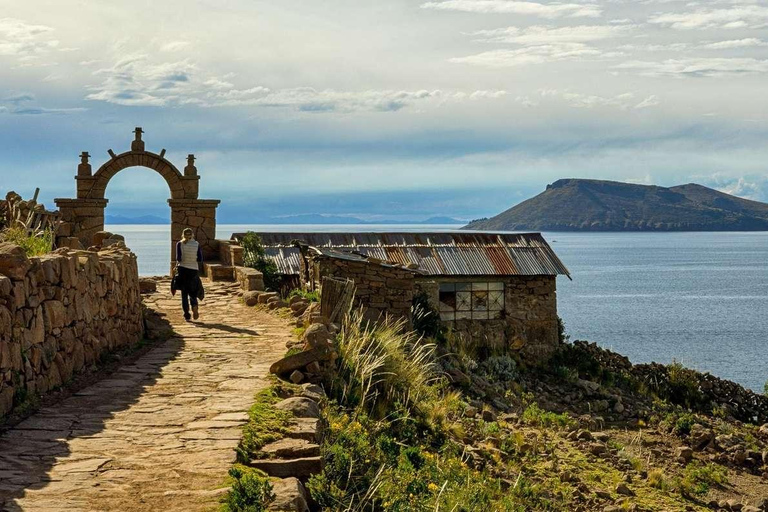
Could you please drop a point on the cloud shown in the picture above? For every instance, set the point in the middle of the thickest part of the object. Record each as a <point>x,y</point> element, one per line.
<point>548,10</point>
<point>696,67</point>
<point>174,46</point>
<point>534,55</point>
<point>135,81</point>
<point>749,187</point>
<point>25,41</point>
<point>736,16</point>
<point>539,35</point>
<point>624,101</point>
<point>734,43</point>
<point>23,104</point>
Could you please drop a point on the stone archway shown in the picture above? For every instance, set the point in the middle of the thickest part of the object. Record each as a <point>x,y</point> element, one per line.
<point>83,217</point>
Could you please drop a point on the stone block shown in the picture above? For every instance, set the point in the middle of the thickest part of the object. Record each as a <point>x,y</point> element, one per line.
<point>13,261</point>
<point>301,468</point>
<point>290,496</point>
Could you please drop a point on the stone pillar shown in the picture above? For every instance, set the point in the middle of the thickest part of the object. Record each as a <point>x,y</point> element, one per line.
<point>81,218</point>
<point>200,215</point>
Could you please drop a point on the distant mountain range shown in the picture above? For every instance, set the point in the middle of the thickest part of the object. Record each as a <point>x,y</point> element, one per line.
<point>593,205</point>
<point>291,219</point>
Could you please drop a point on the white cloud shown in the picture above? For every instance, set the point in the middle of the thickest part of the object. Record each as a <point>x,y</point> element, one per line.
<point>25,41</point>
<point>697,67</point>
<point>174,46</point>
<point>135,81</point>
<point>25,104</point>
<point>534,55</point>
<point>734,43</point>
<point>733,17</point>
<point>624,101</point>
<point>548,10</point>
<point>536,34</point>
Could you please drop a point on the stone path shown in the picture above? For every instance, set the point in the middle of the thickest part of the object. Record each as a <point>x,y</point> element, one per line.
<point>158,434</point>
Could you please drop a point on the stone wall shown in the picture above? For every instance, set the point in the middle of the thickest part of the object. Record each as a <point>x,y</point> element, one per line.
<point>61,312</point>
<point>528,323</point>
<point>379,288</point>
<point>200,216</point>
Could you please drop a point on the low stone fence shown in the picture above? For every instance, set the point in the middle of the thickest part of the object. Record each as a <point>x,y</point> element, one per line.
<point>739,402</point>
<point>59,313</point>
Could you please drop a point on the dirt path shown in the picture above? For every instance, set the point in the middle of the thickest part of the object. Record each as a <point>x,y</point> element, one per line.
<point>158,434</point>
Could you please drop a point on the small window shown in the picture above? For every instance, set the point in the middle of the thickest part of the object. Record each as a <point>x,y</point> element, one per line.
<point>471,301</point>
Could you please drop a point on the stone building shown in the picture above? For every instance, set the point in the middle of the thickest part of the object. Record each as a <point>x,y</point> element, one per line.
<point>496,292</point>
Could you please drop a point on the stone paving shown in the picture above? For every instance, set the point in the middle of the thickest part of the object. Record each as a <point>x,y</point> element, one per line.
<point>158,434</point>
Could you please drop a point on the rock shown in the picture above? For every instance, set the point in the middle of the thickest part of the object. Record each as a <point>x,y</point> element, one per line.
<point>296,376</point>
<point>298,361</point>
<point>300,407</point>
<point>584,435</point>
<point>264,297</point>
<point>313,392</point>
<point>749,508</point>
<point>290,496</point>
<point>6,400</point>
<point>100,236</point>
<point>251,298</point>
<point>726,441</point>
<point>764,430</point>
<point>588,385</point>
<point>597,448</point>
<point>309,429</point>
<point>313,367</point>
<point>700,437</point>
<point>300,468</point>
<point>734,505</point>
<point>489,415</point>
<point>147,285</point>
<point>618,408</point>
<point>316,335</point>
<point>470,411</point>
<point>624,490</point>
<point>288,448</point>
<point>13,261</point>
<point>603,495</point>
<point>684,454</point>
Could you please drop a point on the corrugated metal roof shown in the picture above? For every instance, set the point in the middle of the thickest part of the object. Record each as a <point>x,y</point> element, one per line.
<point>448,253</point>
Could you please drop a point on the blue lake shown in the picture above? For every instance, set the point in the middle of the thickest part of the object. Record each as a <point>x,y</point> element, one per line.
<point>698,298</point>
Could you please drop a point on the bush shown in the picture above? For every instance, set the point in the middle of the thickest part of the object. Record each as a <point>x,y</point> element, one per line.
<point>561,334</point>
<point>304,294</point>
<point>33,245</point>
<point>250,492</point>
<point>380,365</point>
<point>683,387</point>
<point>255,257</point>
<point>534,415</point>
<point>498,368</point>
<point>426,319</point>
<point>696,479</point>
<point>765,388</point>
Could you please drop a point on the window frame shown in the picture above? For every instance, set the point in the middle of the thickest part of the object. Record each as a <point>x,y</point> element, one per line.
<point>471,300</point>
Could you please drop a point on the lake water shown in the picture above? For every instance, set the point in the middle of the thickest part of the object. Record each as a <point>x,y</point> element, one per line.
<point>698,298</point>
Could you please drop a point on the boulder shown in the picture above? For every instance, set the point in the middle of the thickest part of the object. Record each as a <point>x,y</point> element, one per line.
<point>296,376</point>
<point>623,490</point>
<point>317,335</point>
<point>684,454</point>
<point>13,261</point>
<point>300,407</point>
<point>100,236</point>
<point>700,437</point>
<point>251,298</point>
<point>290,496</point>
<point>297,361</point>
<point>147,285</point>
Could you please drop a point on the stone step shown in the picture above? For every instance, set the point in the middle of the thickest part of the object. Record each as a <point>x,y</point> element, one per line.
<point>215,271</point>
<point>301,468</point>
<point>309,429</point>
<point>289,448</point>
<point>290,496</point>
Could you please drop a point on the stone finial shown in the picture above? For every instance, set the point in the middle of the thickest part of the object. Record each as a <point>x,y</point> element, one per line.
<point>84,169</point>
<point>137,144</point>
<point>190,169</point>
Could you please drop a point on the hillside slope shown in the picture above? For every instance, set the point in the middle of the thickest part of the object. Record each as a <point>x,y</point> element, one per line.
<point>593,205</point>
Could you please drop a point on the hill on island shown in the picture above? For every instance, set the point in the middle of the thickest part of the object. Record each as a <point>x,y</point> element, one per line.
<point>594,205</point>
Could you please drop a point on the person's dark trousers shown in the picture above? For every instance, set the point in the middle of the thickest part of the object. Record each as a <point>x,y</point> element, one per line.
<point>188,278</point>
<point>186,300</point>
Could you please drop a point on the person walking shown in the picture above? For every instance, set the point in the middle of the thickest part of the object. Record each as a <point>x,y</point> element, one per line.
<point>188,259</point>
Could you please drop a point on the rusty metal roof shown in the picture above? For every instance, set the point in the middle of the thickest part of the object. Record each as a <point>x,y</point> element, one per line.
<point>436,254</point>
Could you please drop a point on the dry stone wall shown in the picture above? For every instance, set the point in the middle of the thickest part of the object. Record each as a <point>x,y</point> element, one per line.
<point>60,313</point>
<point>380,289</point>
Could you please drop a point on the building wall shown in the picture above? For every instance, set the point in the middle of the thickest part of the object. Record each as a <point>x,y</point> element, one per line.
<point>381,290</point>
<point>527,324</point>
<point>59,313</point>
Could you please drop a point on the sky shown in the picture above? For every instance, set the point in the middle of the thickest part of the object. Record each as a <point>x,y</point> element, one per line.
<point>392,109</point>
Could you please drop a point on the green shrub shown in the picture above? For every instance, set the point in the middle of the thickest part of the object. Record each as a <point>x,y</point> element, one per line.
<point>696,479</point>
<point>426,319</point>
<point>250,492</point>
<point>255,257</point>
<point>534,415</point>
<point>765,388</point>
<point>684,387</point>
<point>313,296</point>
<point>33,245</point>
<point>561,334</point>
<point>498,368</point>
